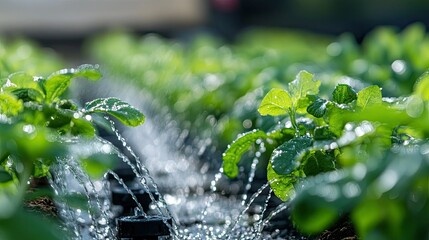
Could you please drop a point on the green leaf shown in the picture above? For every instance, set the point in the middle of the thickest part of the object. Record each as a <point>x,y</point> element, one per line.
<point>5,176</point>
<point>421,88</point>
<point>318,161</point>
<point>303,103</point>
<point>40,169</point>
<point>344,94</point>
<point>9,105</point>
<point>282,135</point>
<point>284,158</point>
<point>57,117</point>
<point>97,164</point>
<point>28,94</point>
<point>20,80</point>
<point>276,102</point>
<point>231,157</point>
<point>67,104</point>
<point>303,85</point>
<point>282,185</point>
<point>58,82</point>
<point>88,71</point>
<point>369,96</point>
<point>317,108</point>
<point>82,127</point>
<point>323,133</point>
<point>123,111</point>
<point>335,118</point>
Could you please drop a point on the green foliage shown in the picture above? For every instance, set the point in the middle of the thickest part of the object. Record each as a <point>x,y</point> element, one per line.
<point>343,93</point>
<point>355,161</point>
<point>58,82</point>
<point>302,86</point>
<point>231,157</point>
<point>369,96</point>
<point>286,164</point>
<point>318,107</point>
<point>375,193</point>
<point>9,104</point>
<point>37,116</point>
<point>372,102</point>
<point>284,159</point>
<point>282,185</point>
<point>276,102</point>
<point>35,126</point>
<point>318,161</point>
<point>123,111</point>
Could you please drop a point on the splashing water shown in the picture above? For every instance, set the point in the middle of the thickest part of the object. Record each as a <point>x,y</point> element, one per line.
<point>193,198</point>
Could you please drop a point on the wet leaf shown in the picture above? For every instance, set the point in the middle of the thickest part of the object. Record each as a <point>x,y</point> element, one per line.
<point>282,185</point>
<point>318,161</point>
<point>58,82</point>
<point>57,117</point>
<point>123,111</point>
<point>276,102</point>
<point>20,80</point>
<point>67,104</point>
<point>28,94</point>
<point>344,94</point>
<point>336,120</point>
<point>282,134</point>
<point>369,96</point>
<point>284,159</point>
<point>91,72</point>
<point>323,133</point>
<point>231,157</point>
<point>303,85</point>
<point>317,108</point>
<point>40,169</point>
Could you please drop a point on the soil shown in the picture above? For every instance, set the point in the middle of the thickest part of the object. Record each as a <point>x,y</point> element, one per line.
<point>344,230</point>
<point>43,204</point>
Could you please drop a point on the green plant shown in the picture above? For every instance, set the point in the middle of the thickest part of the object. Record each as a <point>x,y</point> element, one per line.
<point>363,141</point>
<point>36,122</point>
<point>201,80</point>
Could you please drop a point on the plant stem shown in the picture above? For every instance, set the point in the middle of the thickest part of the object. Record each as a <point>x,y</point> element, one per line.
<point>293,121</point>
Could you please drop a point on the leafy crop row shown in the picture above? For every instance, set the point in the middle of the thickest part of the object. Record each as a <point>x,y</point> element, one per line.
<point>354,152</point>
<point>347,137</point>
<point>38,125</point>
